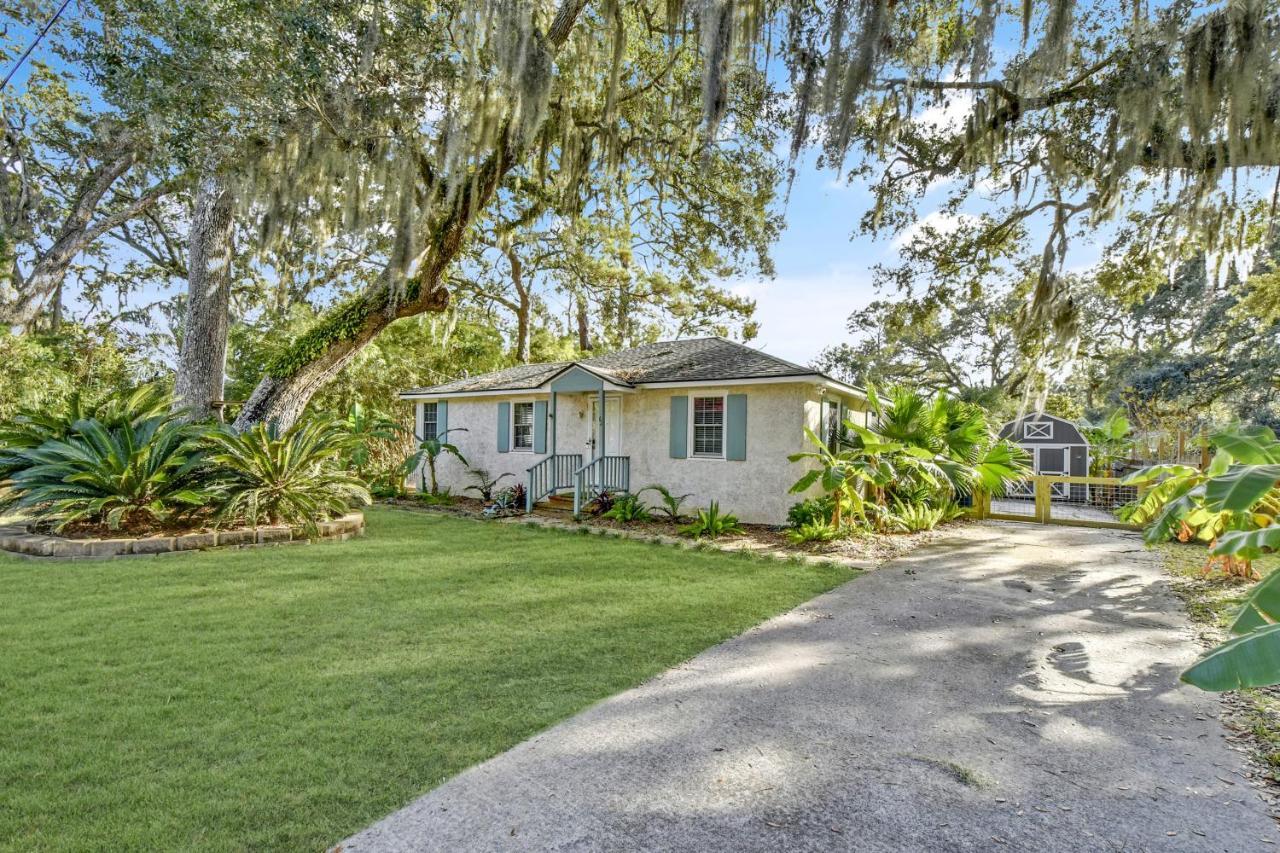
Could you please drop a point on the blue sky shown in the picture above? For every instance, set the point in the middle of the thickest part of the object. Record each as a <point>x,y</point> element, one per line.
<point>823,268</point>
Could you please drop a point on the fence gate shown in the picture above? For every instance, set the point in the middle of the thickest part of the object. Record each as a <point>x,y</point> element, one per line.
<point>1059,499</point>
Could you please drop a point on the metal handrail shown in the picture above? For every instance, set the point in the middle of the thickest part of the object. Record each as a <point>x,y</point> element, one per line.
<point>604,473</point>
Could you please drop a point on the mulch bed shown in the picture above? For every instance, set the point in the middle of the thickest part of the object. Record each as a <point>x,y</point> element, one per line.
<point>873,548</point>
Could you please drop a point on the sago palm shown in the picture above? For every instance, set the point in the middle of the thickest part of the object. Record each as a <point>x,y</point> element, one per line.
<point>294,478</point>
<point>117,475</point>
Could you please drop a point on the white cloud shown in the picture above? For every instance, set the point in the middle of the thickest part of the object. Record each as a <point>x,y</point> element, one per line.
<point>940,221</point>
<point>801,315</point>
<point>947,115</point>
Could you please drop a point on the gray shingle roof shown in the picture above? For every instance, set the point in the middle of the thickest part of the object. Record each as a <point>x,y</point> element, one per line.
<point>691,360</point>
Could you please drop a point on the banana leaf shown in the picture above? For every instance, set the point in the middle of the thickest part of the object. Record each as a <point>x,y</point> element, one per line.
<point>1252,660</point>
<point>1261,608</point>
<point>1256,446</point>
<point>1240,488</point>
<point>1247,544</point>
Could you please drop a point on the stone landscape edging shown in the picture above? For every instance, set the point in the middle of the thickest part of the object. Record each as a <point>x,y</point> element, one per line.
<point>17,540</point>
<point>731,547</point>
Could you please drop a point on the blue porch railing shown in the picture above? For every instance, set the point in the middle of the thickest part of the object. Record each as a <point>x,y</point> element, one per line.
<point>603,474</point>
<point>550,476</point>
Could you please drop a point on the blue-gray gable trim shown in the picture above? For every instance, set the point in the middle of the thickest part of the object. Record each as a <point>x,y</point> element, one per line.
<point>576,379</point>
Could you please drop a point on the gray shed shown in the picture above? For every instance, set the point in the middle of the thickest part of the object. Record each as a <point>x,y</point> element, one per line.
<point>1056,446</point>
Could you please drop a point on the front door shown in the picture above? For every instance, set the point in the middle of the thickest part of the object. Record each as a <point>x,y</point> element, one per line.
<point>612,425</point>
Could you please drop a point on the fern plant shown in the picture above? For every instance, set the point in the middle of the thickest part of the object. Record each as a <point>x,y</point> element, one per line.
<point>712,523</point>
<point>294,478</point>
<point>483,484</point>
<point>118,475</point>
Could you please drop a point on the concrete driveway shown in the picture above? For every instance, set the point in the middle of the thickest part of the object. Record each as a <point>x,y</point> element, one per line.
<point>1011,687</point>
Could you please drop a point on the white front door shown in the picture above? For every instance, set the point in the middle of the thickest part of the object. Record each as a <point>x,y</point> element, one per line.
<point>612,424</point>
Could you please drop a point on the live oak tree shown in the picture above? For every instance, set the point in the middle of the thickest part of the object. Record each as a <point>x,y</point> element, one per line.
<point>414,118</point>
<point>972,351</point>
<point>70,175</point>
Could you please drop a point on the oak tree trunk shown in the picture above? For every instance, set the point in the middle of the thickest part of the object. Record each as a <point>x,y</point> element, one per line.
<point>523,307</point>
<point>202,364</point>
<point>317,356</point>
<point>584,326</point>
<point>78,230</point>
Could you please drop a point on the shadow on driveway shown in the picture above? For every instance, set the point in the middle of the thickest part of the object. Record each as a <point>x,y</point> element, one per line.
<point>1009,687</point>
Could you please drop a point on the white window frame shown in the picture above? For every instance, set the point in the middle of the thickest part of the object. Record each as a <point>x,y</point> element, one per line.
<point>434,432</point>
<point>1046,432</point>
<point>533,413</point>
<point>831,431</point>
<point>724,426</point>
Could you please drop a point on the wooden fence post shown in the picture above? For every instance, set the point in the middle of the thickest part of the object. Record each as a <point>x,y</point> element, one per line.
<point>1042,499</point>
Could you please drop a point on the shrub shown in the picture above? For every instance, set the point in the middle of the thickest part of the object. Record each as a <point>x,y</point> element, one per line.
<point>813,511</point>
<point>31,428</point>
<point>811,531</point>
<point>670,503</point>
<point>712,523</point>
<point>915,517</point>
<point>295,478</point>
<point>484,485</point>
<point>443,497</point>
<point>508,501</point>
<point>600,504</point>
<point>119,475</point>
<point>628,509</point>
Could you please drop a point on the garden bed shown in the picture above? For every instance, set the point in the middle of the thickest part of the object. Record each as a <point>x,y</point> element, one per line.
<point>864,551</point>
<point>30,543</point>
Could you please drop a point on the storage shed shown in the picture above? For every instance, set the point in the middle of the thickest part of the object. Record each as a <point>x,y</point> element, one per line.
<point>1056,446</point>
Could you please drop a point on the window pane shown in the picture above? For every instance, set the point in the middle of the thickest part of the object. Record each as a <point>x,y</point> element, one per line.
<point>428,420</point>
<point>522,417</point>
<point>708,426</point>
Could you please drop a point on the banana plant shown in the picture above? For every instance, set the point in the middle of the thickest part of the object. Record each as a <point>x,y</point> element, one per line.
<point>424,458</point>
<point>368,432</point>
<point>1110,440</point>
<point>838,473</point>
<point>1252,657</point>
<point>1236,492</point>
<point>1237,499</point>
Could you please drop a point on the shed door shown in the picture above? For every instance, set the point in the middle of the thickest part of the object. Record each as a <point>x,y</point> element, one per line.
<point>1054,461</point>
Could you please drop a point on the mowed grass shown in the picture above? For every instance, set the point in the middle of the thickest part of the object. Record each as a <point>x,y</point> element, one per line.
<point>283,698</point>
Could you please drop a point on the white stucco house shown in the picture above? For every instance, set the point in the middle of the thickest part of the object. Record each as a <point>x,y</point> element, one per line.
<point>705,416</point>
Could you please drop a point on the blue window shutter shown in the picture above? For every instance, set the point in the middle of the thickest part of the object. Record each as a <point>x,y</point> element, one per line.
<point>417,421</point>
<point>539,426</point>
<point>442,418</point>
<point>735,427</point>
<point>504,427</point>
<point>679,427</point>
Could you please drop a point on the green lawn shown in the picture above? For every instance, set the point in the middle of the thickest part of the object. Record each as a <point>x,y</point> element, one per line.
<point>285,697</point>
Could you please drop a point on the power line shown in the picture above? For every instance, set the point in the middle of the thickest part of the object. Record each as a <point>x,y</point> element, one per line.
<point>43,32</point>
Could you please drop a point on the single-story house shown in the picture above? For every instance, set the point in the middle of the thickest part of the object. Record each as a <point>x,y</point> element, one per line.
<point>705,417</point>
<point>1054,445</point>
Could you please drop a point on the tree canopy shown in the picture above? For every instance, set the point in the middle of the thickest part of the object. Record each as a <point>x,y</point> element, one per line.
<point>391,158</point>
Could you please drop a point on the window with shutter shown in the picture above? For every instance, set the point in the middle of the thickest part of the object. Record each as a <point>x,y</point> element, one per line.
<point>708,426</point>
<point>430,421</point>
<point>522,426</point>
